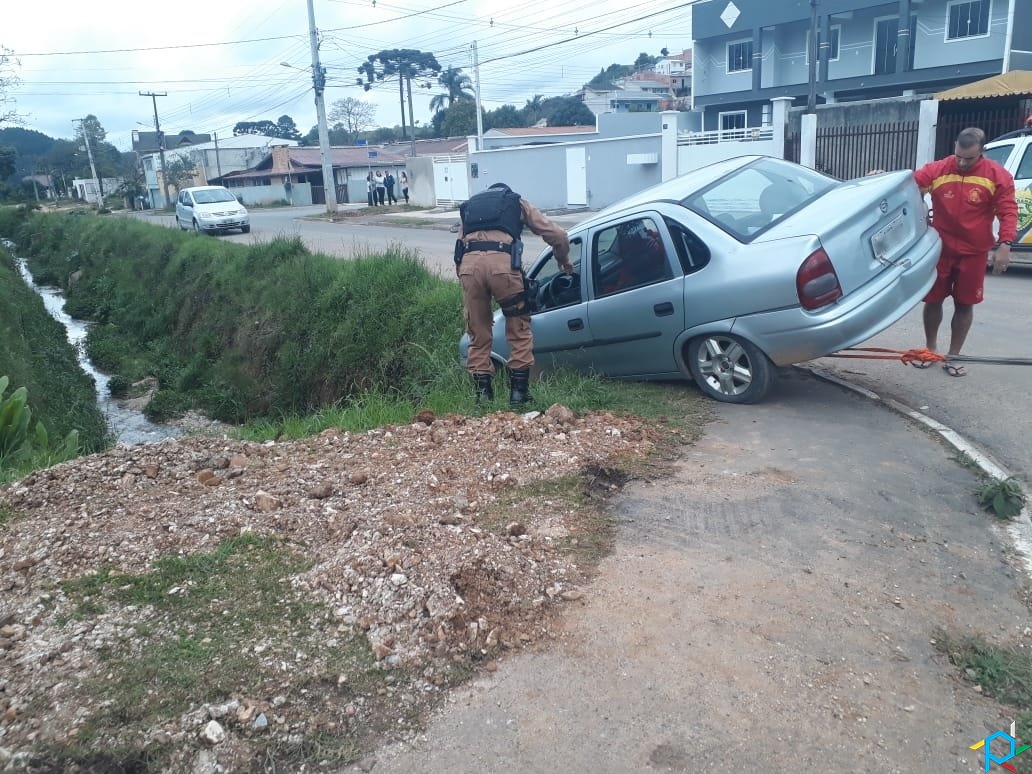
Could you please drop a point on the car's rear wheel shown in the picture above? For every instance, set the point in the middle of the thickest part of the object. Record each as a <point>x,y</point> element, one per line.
<point>729,368</point>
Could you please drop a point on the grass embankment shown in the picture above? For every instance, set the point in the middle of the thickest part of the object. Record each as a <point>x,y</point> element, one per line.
<point>276,336</point>
<point>35,354</point>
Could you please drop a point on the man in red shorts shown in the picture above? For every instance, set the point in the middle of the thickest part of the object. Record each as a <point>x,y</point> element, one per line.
<point>968,191</point>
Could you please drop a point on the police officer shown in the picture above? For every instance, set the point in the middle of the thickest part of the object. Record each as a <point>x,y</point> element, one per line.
<point>488,265</point>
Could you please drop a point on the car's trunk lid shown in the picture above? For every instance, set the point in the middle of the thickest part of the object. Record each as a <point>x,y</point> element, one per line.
<point>886,211</point>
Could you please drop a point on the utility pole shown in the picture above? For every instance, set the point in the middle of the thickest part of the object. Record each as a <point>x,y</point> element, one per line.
<point>218,164</point>
<point>89,155</point>
<point>161,139</point>
<point>811,100</point>
<point>476,85</point>
<point>319,82</point>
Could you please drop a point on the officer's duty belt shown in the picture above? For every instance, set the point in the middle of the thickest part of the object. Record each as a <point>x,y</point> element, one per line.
<point>498,247</point>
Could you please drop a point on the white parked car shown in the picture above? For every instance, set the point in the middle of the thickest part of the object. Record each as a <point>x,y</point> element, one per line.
<point>211,209</point>
<point>1014,152</point>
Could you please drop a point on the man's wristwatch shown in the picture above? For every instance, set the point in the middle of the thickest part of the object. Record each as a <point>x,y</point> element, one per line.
<point>1007,242</point>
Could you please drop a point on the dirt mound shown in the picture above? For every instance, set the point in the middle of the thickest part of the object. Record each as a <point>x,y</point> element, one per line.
<point>436,541</point>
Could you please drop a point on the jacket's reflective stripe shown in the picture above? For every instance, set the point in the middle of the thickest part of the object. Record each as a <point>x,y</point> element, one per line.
<point>985,182</point>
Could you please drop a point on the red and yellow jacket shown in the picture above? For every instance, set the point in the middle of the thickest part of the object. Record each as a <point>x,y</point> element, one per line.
<point>964,204</point>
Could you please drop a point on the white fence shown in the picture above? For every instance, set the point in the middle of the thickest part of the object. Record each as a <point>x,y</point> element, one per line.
<point>697,149</point>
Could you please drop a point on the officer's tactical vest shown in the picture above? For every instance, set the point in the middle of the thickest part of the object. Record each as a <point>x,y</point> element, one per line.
<point>496,209</point>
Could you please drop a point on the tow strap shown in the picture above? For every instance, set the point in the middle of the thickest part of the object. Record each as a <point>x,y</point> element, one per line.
<point>914,356</point>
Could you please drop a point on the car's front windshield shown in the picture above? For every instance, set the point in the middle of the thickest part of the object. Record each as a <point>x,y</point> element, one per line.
<point>213,196</point>
<point>755,197</point>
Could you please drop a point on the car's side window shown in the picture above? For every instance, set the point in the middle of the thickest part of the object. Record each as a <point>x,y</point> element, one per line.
<point>1024,171</point>
<point>628,255</point>
<point>691,251</point>
<point>555,288</point>
<point>1000,153</point>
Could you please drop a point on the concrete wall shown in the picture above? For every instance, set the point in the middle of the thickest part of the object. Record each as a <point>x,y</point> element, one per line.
<point>538,173</point>
<point>300,194</point>
<point>879,111</point>
<point>421,181</point>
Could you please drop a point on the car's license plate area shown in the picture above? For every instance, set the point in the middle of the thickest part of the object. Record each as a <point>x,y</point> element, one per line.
<point>891,238</point>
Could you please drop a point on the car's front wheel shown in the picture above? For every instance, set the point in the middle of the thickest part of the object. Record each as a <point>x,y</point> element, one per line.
<point>245,229</point>
<point>730,369</point>
<point>197,227</point>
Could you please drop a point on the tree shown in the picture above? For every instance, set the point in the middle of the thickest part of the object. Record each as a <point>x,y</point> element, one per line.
<point>460,119</point>
<point>90,127</point>
<point>645,62</point>
<point>8,155</point>
<point>567,111</point>
<point>457,85</point>
<point>265,127</point>
<point>533,111</point>
<point>180,171</point>
<point>403,63</point>
<point>352,115</point>
<point>286,129</point>
<point>8,81</point>
<point>505,117</point>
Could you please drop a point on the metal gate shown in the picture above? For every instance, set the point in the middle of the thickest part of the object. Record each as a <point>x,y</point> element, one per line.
<point>994,116</point>
<point>848,152</point>
<point>451,182</point>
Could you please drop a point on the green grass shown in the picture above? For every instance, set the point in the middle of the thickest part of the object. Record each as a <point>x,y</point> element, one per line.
<point>1005,674</point>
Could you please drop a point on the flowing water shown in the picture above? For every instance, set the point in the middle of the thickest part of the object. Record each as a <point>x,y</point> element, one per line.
<point>127,425</point>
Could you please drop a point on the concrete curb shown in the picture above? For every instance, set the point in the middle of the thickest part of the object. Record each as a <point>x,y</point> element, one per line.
<point>1020,528</point>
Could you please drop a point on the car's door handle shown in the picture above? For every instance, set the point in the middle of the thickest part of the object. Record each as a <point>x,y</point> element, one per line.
<point>663,310</point>
<point>576,324</point>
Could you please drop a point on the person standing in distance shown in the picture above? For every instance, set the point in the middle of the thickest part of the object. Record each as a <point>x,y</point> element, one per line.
<point>487,259</point>
<point>968,191</point>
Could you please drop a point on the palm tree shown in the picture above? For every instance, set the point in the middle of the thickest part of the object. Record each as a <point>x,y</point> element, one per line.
<point>458,86</point>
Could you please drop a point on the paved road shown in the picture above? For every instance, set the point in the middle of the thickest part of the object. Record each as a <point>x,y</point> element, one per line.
<point>770,607</point>
<point>345,239</point>
<point>990,406</point>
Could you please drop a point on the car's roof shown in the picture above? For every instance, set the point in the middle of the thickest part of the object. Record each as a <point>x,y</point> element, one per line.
<point>676,189</point>
<point>206,188</point>
<point>1018,133</point>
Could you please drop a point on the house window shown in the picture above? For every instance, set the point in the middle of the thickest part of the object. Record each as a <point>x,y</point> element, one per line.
<point>732,120</point>
<point>834,34</point>
<point>967,19</point>
<point>739,56</point>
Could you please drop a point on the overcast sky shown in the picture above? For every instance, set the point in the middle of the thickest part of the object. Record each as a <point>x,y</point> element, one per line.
<point>219,61</point>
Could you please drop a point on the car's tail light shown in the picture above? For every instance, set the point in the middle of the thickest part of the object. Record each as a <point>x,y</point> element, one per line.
<point>817,281</point>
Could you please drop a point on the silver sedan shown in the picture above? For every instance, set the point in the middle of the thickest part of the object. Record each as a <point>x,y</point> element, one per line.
<point>726,272</point>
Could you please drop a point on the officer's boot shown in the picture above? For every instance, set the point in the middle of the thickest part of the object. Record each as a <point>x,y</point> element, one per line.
<point>482,386</point>
<point>519,386</point>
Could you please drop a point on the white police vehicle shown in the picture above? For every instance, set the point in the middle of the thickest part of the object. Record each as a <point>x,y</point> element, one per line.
<point>1013,151</point>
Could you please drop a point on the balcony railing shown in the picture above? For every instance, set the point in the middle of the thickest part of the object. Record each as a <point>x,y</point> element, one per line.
<point>749,134</point>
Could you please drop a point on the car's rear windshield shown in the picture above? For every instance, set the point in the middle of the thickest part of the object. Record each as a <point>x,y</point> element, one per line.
<point>755,197</point>
<point>213,195</point>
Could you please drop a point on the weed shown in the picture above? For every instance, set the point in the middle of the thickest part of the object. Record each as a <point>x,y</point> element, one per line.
<point>1005,674</point>
<point>1003,498</point>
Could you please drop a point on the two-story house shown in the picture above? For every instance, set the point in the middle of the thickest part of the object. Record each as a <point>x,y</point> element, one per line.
<point>679,68</point>
<point>747,52</point>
